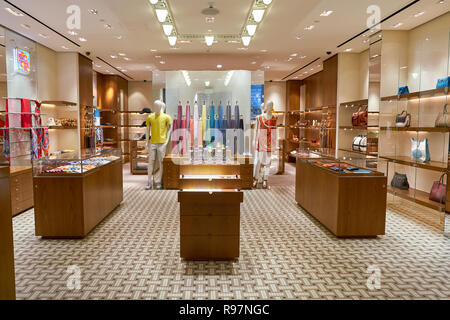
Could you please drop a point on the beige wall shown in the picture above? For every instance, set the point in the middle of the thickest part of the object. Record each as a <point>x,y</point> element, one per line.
<point>139,95</point>
<point>47,77</point>
<point>276,92</point>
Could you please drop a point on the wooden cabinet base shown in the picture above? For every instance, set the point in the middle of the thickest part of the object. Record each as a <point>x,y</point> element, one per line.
<point>70,207</point>
<point>7,277</point>
<point>210,224</point>
<point>348,206</point>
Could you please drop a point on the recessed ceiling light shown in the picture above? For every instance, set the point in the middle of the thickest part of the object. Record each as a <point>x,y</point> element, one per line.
<point>294,55</point>
<point>43,35</point>
<point>348,50</point>
<point>124,70</point>
<point>64,47</point>
<point>14,12</point>
<point>154,1</point>
<point>233,41</point>
<point>365,41</point>
<point>162,62</point>
<point>209,19</point>
<point>25,26</point>
<point>153,50</point>
<point>219,66</point>
<point>158,57</point>
<point>108,26</point>
<point>253,62</point>
<point>258,14</point>
<point>309,27</point>
<point>162,14</point>
<point>242,48</point>
<point>72,33</point>
<point>93,11</point>
<point>251,29</point>
<point>326,13</point>
<point>172,40</point>
<point>122,54</point>
<point>82,39</point>
<point>209,40</point>
<point>418,14</point>
<point>264,50</point>
<point>398,25</point>
<point>267,2</point>
<point>126,59</point>
<point>98,66</point>
<point>118,37</point>
<point>246,40</point>
<point>167,28</point>
<point>207,83</point>
<point>267,67</point>
<point>114,57</point>
<point>298,37</point>
<point>302,57</point>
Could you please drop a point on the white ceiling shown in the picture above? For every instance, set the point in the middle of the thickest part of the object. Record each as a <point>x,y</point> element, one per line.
<point>136,22</point>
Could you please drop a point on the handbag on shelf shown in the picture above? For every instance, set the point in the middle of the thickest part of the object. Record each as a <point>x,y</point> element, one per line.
<point>403,120</point>
<point>400,181</point>
<point>443,83</point>
<point>420,150</point>
<point>363,118</point>
<point>355,117</point>
<point>443,119</point>
<point>438,192</point>
<point>359,143</point>
<point>403,90</point>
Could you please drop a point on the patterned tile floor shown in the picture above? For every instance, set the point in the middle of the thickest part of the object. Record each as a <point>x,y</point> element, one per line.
<point>285,254</point>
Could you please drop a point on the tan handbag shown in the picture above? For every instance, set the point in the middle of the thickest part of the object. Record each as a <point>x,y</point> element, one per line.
<point>443,119</point>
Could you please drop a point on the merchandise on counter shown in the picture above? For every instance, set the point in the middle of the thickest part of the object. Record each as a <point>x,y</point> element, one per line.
<point>438,192</point>
<point>82,166</point>
<point>400,181</point>
<point>443,83</point>
<point>403,120</point>
<point>420,150</point>
<point>443,119</point>
<point>51,122</point>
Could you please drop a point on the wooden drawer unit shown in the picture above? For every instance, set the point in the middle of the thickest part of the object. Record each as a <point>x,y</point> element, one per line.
<point>210,224</point>
<point>21,183</point>
<point>212,182</point>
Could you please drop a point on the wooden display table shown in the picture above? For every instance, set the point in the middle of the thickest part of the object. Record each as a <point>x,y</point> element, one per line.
<point>348,204</point>
<point>21,189</point>
<point>70,206</point>
<point>175,166</point>
<point>210,224</point>
<point>7,278</point>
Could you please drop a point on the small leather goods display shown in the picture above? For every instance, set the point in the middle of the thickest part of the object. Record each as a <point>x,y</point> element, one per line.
<point>403,120</point>
<point>403,90</point>
<point>360,143</point>
<point>400,181</point>
<point>443,83</point>
<point>443,119</point>
<point>360,118</point>
<point>438,191</point>
<point>420,150</point>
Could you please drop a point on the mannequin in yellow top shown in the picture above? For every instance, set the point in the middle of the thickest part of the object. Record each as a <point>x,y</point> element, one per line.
<point>159,129</point>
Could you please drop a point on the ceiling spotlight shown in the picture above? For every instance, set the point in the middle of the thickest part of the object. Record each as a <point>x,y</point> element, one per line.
<point>158,57</point>
<point>25,26</point>
<point>72,33</point>
<point>263,50</point>
<point>207,83</point>
<point>43,35</point>
<point>209,40</point>
<point>126,59</point>
<point>210,19</point>
<point>172,40</point>
<point>64,47</point>
<point>246,40</point>
<point>267,2</point>
<point>168,28</point>
<point>118,37</point>
<point>219,66</point>
<point>242,48</point>
<point>397,25</point>
<point>108,26</point>
<point>153,1</point>
<point>258,14</point>
<point>309,27</point>
<point>253,62</point>
<point>162,62</point>
<point>348,50</point>
<point>114,57</point>
<point>251,28</point>
<point>122,54</point>
<point>298,37</point>
<point>93,11</point>
<point>326,13</point>
<point>419,14</point>
<point>153,50</point>
<point>294,55</point>
<point>14,12</point>
<point>302,57</point>
<point>82,39</point>
<point>161,14</point>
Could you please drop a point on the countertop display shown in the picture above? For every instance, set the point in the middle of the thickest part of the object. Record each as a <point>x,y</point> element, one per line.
<point>347,198</point>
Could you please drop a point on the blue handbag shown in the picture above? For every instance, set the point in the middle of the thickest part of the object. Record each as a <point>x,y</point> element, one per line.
<point>403,90</point>
<point>443,83</point>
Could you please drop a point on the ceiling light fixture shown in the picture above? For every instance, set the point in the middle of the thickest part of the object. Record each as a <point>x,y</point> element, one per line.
<point>168,28</point>
<point>251,29</point>
<point>172,40</point>
<point>72,33</point>
<point>246,40</point>
<point>25,26</point>
<point>113,57</point>
<point>153,1</point>
<point>267,2</point>
<point>298,37</point>
<point>207,83</point>
<point>118,37</point>
<point>258,14</point>
<point>162,14</point>
<point>309,27</point>
<point>64,47</point>
<point>219,66</point>
<point>126,59</point>
<point>14,12</point>
<point>122,54</point>
<point>397,25</point>
<point>82,39</point>
<point>419,14</point>
<point>228,78</point>
<point>184,41</point>
<point>326,13</point>
<point>294,55</point>
<point>302,57</point>
<point>93,11</point>
<point>348,50</point>
<point>209,40</point>
<point>253,62</point>
<point>108,26</point>
<point>43,35</point>
<point>162,62</point>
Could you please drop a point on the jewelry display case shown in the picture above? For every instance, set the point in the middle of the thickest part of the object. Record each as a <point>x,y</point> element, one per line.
<point>85,188</point>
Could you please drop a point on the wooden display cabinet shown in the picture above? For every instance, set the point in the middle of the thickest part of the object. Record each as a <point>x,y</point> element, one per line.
<point>347,204</point>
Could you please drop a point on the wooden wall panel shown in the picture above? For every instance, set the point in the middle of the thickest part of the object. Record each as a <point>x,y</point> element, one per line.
<point>86,81</point>
<point>293,94</point>
<point>7,277</point>
<point>314,92</point>
<point>330,78</point>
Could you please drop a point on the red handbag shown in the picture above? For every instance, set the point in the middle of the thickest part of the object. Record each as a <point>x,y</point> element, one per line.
<point>439,191</point>
<point>355,118</point>
<point>360,118</point>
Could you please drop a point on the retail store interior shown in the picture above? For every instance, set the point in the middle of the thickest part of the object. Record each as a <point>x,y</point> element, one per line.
<point>236,149</point>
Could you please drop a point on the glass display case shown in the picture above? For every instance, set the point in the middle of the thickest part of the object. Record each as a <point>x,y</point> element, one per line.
<point>75,164</point>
